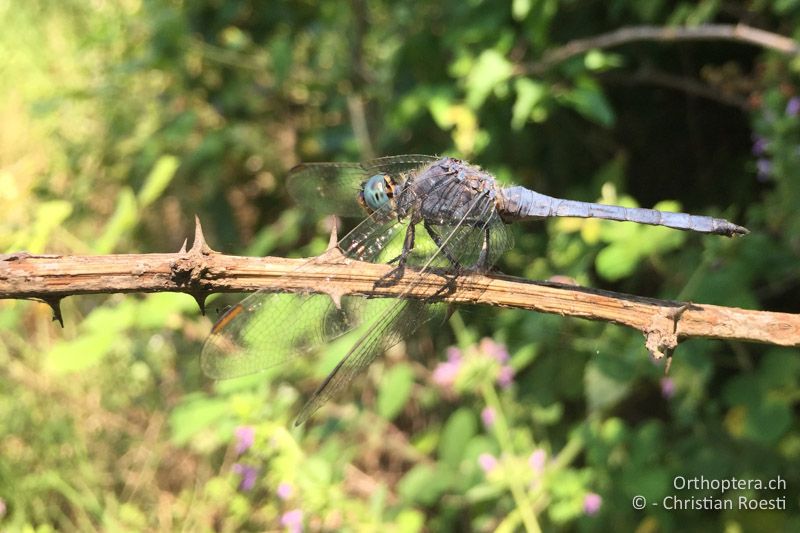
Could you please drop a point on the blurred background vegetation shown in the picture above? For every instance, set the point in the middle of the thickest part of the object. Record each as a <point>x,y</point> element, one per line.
<point>121,119</point>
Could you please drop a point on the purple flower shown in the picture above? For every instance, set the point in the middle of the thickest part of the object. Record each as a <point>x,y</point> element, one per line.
<point>445,374</point>
<point>245,435</point>
<point>2,507</point>
<point>537,460</point>
<point>487,462</point>
<point>667,388</point>
<point>488,416</point>
<point>764,167</point>
<point>453,354</point>
<point>494,349</point>
<point>293,520</point>
<point>505,377</point>
<point>793,106</point>
<point>759,145</point>
<point>248,474</point>
<point>285,491</point>
<point>592,503</point>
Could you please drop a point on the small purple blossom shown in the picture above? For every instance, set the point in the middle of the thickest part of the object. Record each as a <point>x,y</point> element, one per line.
<point>494,349</point>
<point>592,503</point>
<point>488,416</point>
<point>245,435</point>
<point>285,491</point>
<point>537,460</point>
<point>505,377</point>
<point>793,106</point>
<point>293,520</point>
<point>487,462</point>
<point>445,374</point>
<point>667,388</point>
<point>759,145</point>
<point>248,474</point>
<point>453,354</point>
<point>764,168</point>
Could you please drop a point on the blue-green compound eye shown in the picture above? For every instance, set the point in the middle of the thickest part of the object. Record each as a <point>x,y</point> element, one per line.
<point>375,194</point>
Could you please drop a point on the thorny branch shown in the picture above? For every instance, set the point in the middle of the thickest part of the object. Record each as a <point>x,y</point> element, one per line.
<point>201,271</point>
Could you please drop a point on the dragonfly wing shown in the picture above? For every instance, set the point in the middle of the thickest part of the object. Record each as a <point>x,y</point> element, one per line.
<point>403,316</point>
<point>481,242</point>
<point>332,188</point>
<point>267,329</point>
<point>395,323</point>
<point>396,165</point>
<point>328,188</point>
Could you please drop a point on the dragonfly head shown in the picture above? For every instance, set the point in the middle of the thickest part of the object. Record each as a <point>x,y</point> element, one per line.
<point>376,192</point>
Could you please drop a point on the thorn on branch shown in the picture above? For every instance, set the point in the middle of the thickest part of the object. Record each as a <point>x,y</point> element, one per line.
<point>200,298</point>
<point>333,242</point>
<point>183,246</point>
<point>55,305</point>
<point>190,268</point>
<point>199,246</point>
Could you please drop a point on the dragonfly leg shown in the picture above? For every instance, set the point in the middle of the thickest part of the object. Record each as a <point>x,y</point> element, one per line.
<point>394,275</point>
<point>408,245</point>
<point>438,241</point>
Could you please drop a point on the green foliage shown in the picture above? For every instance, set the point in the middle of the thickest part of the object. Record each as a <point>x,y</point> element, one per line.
<point>119,121</point>
<point>395,390</point>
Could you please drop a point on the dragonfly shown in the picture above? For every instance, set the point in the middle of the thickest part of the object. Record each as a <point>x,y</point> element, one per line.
<point>463,212</point>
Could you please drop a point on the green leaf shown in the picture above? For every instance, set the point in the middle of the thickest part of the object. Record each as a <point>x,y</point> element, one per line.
<point>490,70</point>
<point>158,179</point>
<point>617,261</point>
<point>423,484</point>
<point>49,216</point>
<point>124,218</point>
<point>155,311</point>
<point>768,421</point>
<point>409,521</point>
<point>195,414</point>
<point>598,60</point>
<point>81,353</point>
<point>587,98</point>
<point>530,95</point>
<point>459,429</point>
<point>520,9</point>
<point>439,106</point>
<point>395,390</point>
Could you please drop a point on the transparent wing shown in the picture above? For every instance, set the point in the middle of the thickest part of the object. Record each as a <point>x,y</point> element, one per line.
<point>402,317</point>
<point>396,165</point>
<point>267,329</point>
<point>480,249</point>
<point>329,188</point>
<point>332,188</point>
<point>397,322</point>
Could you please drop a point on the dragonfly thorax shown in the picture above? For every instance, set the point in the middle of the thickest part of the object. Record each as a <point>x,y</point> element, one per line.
<point>376,192</point>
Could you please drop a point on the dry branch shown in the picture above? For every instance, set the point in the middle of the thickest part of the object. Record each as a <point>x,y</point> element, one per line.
<point>731,32</point>
<point>201,271</point>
